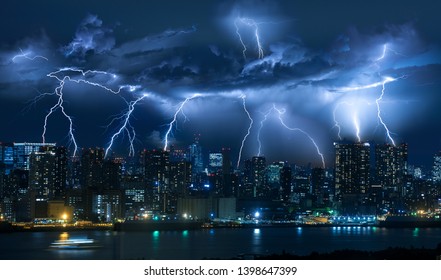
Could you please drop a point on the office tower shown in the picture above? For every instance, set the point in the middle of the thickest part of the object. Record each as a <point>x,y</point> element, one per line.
<point>273,173</point>
<point>352,163</point>
<point>177,154</point>
<point>195,156</point>
<point>107,205</point>
<point>157,176</point>
<point>112,173</point>
<point>215,174</point>
<point>22,152</point>
<point>258,167</point>
<point>215,162</point>
<point>91,170</point>
<point>7,157</point>
<point>319,186</point>
<point>48,172</point>
<point>317,181</point>
<point>352,168</point>
<point>229,188</point>
<point>273,180</point>
<point>436,173</point>
<point>74,173</point>
<point>180,178</point>
<point>286,183</point>
<point>16,192</point>
<point>391,167</point>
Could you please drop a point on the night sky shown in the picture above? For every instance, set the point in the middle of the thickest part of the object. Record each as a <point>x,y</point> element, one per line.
<point>328,70</point>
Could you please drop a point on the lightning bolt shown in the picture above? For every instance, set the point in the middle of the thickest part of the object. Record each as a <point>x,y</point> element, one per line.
<point>175,116</point>
<point>253,24</point>
<point>83,73</point>
<point>368,86</point>
<point>27,55</point>
<point>336,123</point>
<point>357,126</point>
<point>377,101</point>
<point>260,129</point>
<point>383,84</point>
<point>385,50</point>
<point>125,127</point>
<point>60,102</point>
<point>248,131</point>
<point>281,112</point>
<point>354,120</point>
<point>383,55</point>
<point>59,105</point>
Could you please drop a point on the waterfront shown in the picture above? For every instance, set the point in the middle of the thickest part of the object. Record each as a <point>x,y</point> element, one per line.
<point>222,243</point>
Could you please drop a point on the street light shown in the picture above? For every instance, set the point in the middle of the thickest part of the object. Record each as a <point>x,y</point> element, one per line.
<point>257,215</point>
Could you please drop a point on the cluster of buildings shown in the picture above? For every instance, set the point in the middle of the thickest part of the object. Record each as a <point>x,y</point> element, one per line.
<point>41,182</point>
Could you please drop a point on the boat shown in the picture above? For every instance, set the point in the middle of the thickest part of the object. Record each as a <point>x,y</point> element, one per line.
<point>75,244</point>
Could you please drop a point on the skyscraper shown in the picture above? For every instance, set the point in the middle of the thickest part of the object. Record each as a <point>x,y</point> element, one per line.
<point>195,156</point>
<point>7,157</point>
<point>180,178</point>
<point>214,161</point>
<point>229,189</point>
<point>437,168</point>
<point>391,167</point>
<point>258,168</point>
<point>352,169</point>
<point>157,176</point>
<point>286,183</point>
<point>48,172</point>
<point>22,152</point>
<point>91,170</point>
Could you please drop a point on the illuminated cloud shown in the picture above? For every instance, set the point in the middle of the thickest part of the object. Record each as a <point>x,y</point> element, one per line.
<point>91,36</point>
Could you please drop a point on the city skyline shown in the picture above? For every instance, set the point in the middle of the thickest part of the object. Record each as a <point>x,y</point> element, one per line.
<point>279,79</point>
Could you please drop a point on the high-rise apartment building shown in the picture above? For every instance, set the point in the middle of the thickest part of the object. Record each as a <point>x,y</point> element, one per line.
<point>157,176</point>
<point>352,174</point>
<point>48,172</point>
<point>391,166</point>
<point>91,170</point>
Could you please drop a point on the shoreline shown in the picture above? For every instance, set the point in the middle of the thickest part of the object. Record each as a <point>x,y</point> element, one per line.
<point>6,227</point>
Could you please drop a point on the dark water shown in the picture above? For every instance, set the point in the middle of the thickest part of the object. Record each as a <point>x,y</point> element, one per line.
<point>214,243</point>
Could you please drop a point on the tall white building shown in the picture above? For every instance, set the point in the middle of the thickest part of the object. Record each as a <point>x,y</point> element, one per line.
<point>437,167</point>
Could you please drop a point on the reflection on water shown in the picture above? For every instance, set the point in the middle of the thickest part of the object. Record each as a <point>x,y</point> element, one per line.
<point>155,240</point>
<point>353,230</point>
<point>64,236</point>
<point>416,232</point>
<point>256,239</point>
<point>221,243</point>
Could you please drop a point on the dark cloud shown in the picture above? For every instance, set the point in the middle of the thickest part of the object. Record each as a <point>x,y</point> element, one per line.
<point>90,37</point>
<point>170,73</point>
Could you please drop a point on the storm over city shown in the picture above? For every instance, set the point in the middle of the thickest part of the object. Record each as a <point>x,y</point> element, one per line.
<point>280,79</point>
